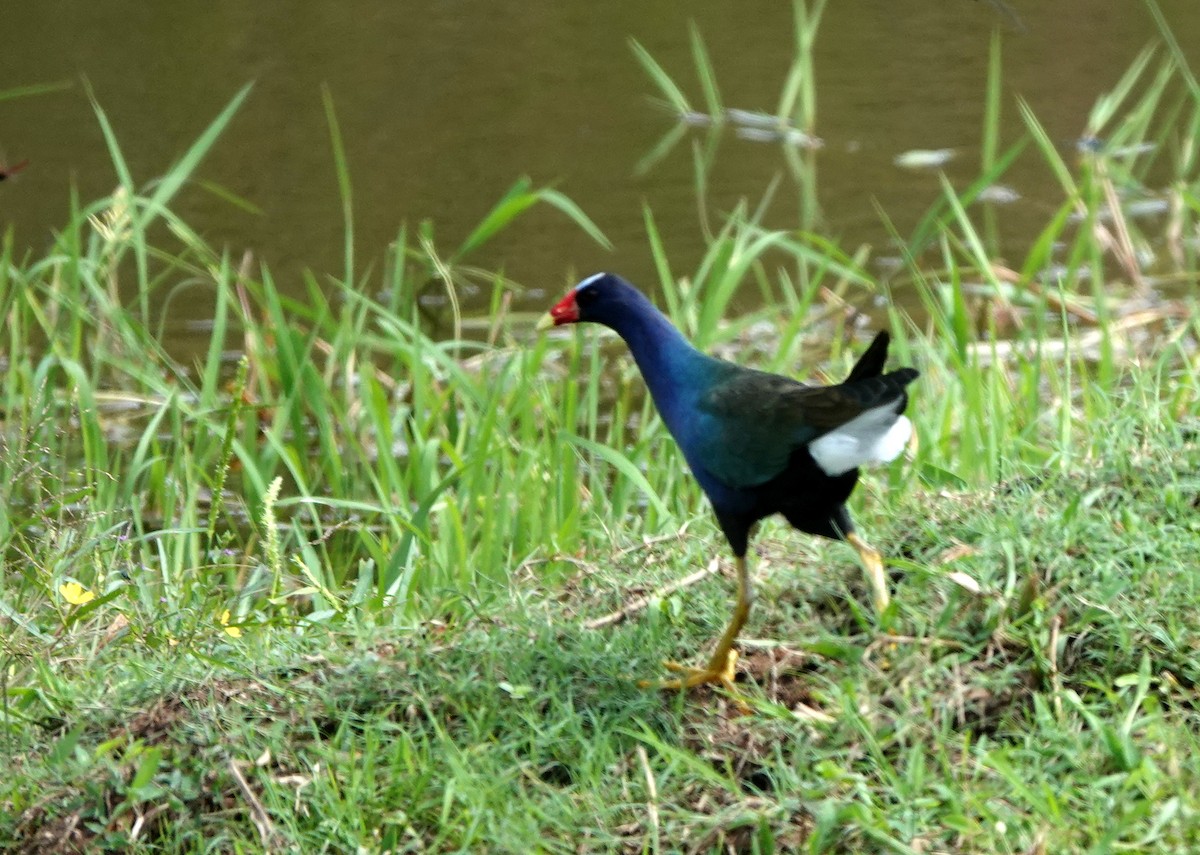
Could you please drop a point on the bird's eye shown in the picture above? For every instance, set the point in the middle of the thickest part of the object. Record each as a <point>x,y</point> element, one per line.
<point>584,296</point>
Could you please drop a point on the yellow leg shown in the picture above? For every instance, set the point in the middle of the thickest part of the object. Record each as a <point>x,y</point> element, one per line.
<point>722,664</point>
<point>873,563</point>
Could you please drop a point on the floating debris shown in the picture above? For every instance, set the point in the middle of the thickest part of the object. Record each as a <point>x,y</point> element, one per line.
<point>924,158</point>
<point>754,125</point>
<point>998,194</point>
<point>1058,274</point>
<point>889,263</point>
<point>798,138</point>
<point>1089,144</point>
<point>755,119</point>
<point>1147,208</point>
<point>1133,150</point>
<point>1137,209</point>
<point>7,172</point>
<point>758,134</point>
<point>789,136</point>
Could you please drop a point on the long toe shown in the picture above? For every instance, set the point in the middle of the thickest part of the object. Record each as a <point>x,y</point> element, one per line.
<point>719,671</point>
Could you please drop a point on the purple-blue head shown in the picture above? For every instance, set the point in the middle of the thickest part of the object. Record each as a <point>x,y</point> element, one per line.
<point>602,298</point>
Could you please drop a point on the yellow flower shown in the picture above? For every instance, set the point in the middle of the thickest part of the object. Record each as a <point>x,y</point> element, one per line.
<point>231,631</point>
<point>75,594</point>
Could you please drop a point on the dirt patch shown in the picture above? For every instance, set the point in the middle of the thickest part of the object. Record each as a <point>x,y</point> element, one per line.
<point>161,719</point>
<point>52,835</point>
<point>782,674</point>
<point>98,811</point>
<point>105,822</point>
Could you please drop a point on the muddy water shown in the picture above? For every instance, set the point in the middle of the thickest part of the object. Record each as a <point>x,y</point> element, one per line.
<point>443,105</point>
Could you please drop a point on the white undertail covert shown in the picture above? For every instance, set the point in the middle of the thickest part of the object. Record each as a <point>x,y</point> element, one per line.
<point>875,436</point>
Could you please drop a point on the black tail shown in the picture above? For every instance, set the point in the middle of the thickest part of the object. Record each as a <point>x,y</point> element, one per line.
<point>870,364</point>
<point>879,386</point>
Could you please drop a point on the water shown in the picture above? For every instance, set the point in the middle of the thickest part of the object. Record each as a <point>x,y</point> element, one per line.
<point>444,105</point>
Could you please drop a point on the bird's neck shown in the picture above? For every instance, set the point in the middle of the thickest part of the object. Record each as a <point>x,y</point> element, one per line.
<point>666,359</point>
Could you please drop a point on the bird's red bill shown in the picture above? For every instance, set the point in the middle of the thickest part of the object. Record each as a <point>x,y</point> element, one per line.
<point>565,311</point>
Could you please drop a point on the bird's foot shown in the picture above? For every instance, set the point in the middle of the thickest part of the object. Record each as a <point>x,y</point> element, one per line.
<point>719,671</point>
<point>873,565</point>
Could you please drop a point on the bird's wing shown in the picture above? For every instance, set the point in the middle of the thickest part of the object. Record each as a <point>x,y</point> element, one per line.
<point>751,421</point>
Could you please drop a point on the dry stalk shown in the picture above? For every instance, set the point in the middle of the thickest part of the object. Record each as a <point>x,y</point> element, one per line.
<point>639,603</point>
<point>258,814</point>
<point>651,799</point>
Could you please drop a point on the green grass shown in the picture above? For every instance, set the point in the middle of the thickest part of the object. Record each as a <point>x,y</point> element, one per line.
<point>974,722</point>
<point>333,592</point>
